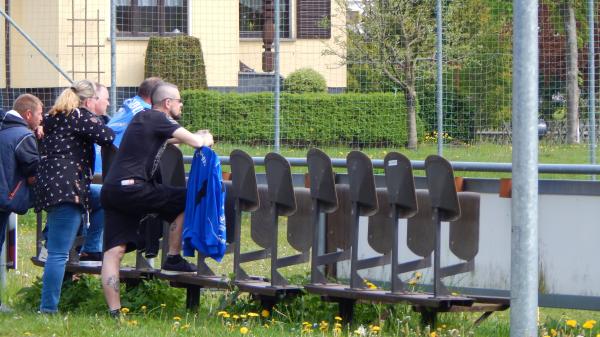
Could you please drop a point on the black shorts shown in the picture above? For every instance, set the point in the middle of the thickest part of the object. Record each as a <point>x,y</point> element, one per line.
<point>125,206</point>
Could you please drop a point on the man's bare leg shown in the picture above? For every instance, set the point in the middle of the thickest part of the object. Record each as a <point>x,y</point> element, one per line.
<point>175,232</point>
<point>110,276</point>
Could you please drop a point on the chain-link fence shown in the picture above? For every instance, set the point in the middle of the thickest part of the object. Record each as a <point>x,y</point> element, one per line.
<point>343,74</point>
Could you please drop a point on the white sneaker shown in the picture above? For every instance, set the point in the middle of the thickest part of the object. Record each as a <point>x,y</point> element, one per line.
<point>43,254</point>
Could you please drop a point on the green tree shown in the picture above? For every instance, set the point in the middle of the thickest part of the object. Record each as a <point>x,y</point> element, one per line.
<point>396,36</point>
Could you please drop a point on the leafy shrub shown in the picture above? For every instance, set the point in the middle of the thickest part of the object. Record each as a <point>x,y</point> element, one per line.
<point>310,119</point>
<point>85,295</point>
<point>177,60</point>
<point>305,80</point>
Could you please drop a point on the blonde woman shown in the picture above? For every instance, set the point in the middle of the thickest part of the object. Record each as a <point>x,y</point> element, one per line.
<point>64,176</point>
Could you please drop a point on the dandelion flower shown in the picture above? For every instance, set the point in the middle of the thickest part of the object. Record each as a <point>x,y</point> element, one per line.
<point>323,326</point>
<point>226,315</point>
<point>412,281</point>
<point>162,305</point>
<point>132,323</point>
<point>144,308</point>
<point>185,327</point>
<point>236,317</point>
<point>433,334</point>
<point>418,275</point>
<point>124,310</point>
<point>553,332</point>
<point>589,324</point>
<point>571,322</point>
<point>177,318</point>
<point>221,313</point>
<point>252,314</point>
<point>338,318</point>
<point>244,330</point>
<point>375,329</point>
<point>265,313</point>
<point>243,316</point>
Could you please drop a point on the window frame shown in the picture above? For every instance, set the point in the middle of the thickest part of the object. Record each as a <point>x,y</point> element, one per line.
<point>160,5</point>
<point>258,34</point>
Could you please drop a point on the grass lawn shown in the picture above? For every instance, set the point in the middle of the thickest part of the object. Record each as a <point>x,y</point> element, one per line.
<point>286,320</point>
<point>548,154</point>
<point>305,316</point>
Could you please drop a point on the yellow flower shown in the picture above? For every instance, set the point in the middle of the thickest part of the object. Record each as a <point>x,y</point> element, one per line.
<point>252,314</point>
<point>323,326</point>
<point>243,316</point>
<point>433,334</point>
<point>338,318</point>
<point>236,317</point>
<point>571,322</point>
<point>162,305</point>
<point>375,329</point>
<point>132,323</point>
<point>306,323</point>
<point>371,285</point>
<point>412,281</point>
<point>418,275</point>
<point>338,325</point>
<point>243,330</point>
<point>124,310</point>
<point>589,324</point>
<point>177,318</point>
<point>221,313</point>
<point>553,333</point>
<point>226,315</point>
<point>265,313</point>
<point>144,308</point>
<point>185,327</point>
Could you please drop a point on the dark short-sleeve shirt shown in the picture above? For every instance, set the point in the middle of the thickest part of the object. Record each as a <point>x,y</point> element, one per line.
<point>141,147</point>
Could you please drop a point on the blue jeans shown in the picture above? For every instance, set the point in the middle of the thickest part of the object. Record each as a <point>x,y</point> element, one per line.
<point>3,225</point>
<point>63,221</point>
<point>93,234</point>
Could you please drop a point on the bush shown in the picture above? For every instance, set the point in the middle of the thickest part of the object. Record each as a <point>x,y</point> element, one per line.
<point>177,60</point>
<point>306,119</point>
<point>305,80</point>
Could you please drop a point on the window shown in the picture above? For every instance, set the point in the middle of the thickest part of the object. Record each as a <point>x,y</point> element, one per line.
<point>252,18</point>
<point>152,17</point>
<point>314,19</point>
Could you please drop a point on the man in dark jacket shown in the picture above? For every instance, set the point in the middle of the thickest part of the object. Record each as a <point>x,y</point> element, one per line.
<point>18,156</point>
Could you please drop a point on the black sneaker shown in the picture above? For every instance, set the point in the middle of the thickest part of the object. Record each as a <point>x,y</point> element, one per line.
<point>177,265</point>
<point>90,260</point>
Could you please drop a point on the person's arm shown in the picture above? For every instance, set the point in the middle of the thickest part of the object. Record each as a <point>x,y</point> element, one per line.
<point>27,156</point>
<point>196,140</point>
<point>93,128</point>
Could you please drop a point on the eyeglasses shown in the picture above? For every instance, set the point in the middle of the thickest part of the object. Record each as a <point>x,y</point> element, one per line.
<point>175,99</point>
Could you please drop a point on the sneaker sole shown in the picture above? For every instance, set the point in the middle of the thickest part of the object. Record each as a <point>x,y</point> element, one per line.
<point>90,263</point>
<point>172,272</point>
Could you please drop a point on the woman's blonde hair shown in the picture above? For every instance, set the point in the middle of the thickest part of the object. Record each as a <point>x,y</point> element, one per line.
<point>72,98</point>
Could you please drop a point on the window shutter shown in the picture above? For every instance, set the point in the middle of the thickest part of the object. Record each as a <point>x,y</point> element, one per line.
<point>313,19</point>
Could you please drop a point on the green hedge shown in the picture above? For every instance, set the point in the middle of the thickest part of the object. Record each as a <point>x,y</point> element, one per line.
<point>306,119</point>
<point>177,60</point>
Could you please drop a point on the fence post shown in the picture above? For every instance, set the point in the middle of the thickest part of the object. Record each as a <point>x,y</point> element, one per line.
<point>592,85</point>
<point>276,75</point>
<point>439,97</point>
<point>113,57</point>
<point>524,207</point>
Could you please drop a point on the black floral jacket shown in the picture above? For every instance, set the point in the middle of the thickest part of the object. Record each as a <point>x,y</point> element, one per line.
<point>67,151</point>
